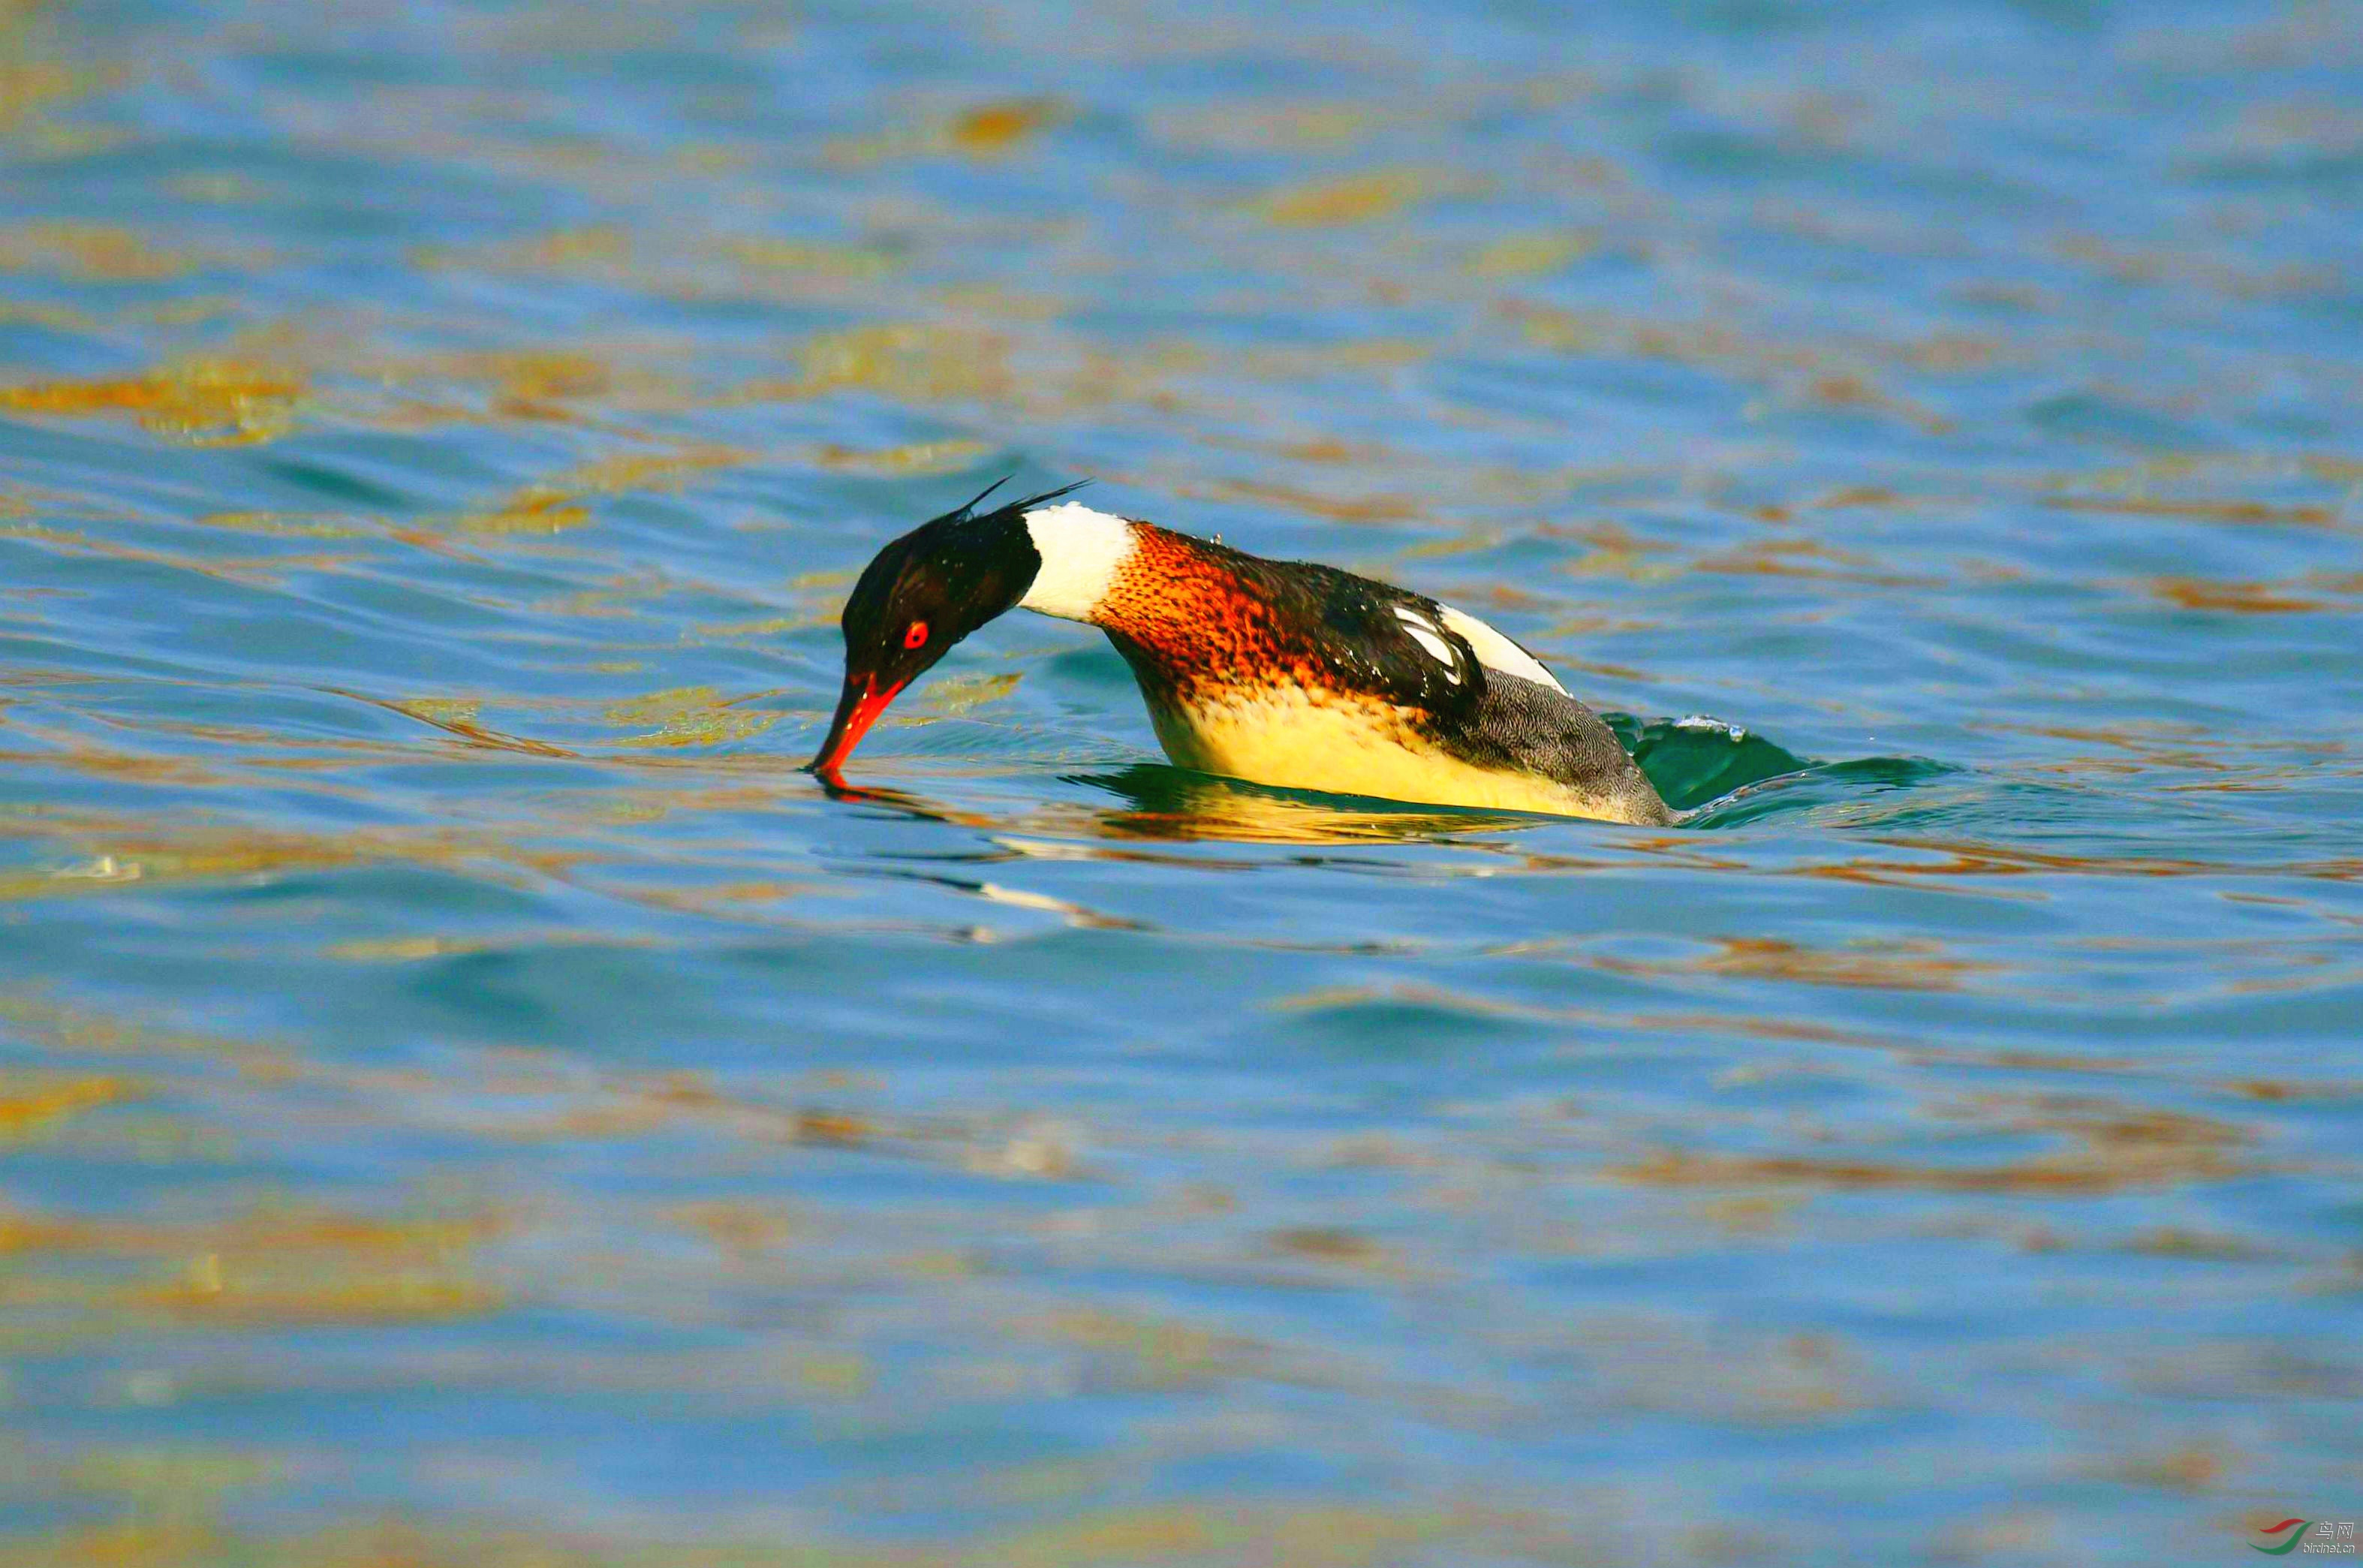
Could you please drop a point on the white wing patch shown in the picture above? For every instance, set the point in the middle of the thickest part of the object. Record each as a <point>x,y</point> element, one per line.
<point>1498,652</point>
<point>1430,635</point>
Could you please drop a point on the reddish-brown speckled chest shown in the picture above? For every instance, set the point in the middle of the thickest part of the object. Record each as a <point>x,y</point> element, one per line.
<point>1189,619</point>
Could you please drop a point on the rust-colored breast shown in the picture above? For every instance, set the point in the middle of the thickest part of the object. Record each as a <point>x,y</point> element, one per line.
<point>1195,625</point>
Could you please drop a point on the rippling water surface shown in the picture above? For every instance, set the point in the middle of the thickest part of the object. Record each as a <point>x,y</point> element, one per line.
<point>465,1098</point>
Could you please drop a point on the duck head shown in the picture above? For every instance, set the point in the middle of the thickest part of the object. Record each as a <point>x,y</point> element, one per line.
<point>923,593</point>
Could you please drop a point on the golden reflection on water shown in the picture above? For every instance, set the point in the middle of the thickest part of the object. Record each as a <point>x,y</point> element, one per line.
<point>2104,1148</point>
<point>1174,804</point>
<point>30,1103</point>
<point>101,253</point>
<point>1893,965</point>
<point>204,403</point>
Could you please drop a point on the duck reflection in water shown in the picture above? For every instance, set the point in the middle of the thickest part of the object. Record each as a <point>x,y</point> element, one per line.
<point>1177,804</point>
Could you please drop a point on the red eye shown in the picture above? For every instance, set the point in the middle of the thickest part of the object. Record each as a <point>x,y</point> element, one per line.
<point>917,636</point>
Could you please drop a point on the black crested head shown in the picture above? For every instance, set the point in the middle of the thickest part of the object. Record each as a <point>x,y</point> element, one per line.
<point>920,596</point>
<point>938,582</point>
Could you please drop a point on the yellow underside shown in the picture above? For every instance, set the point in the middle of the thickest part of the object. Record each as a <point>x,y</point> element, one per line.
<point>1350,748</point>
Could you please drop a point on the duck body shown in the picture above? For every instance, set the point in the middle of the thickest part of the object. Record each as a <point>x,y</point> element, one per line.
<point>1289,674</point>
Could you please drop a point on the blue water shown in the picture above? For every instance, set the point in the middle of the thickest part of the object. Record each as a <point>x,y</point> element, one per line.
<point>464,1097</point>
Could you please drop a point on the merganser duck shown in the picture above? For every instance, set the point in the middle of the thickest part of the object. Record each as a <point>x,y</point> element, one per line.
<point>1281,673</point>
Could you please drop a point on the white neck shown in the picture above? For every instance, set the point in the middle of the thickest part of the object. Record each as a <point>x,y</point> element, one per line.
<point>1082,552</point>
